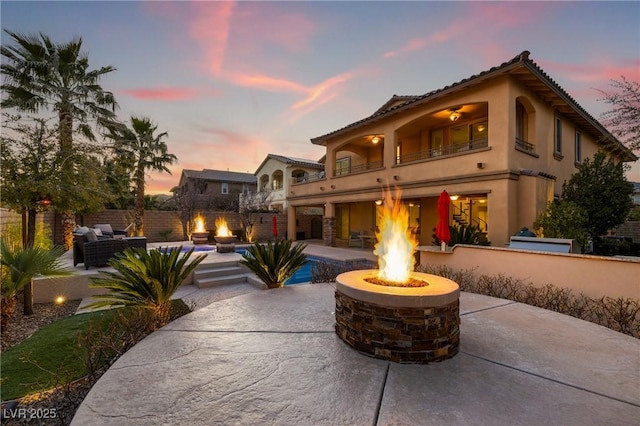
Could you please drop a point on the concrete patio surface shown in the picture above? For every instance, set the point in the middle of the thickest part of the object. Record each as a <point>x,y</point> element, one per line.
<point>272,358</point>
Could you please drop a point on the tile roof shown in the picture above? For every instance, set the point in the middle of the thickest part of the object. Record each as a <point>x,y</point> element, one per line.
<point>292,160</point>
<point>220,175</point>
<point>524,69</point>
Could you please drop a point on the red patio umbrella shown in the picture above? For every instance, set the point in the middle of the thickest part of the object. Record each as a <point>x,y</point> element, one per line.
<point>274,222</point>
<point>442,230</point>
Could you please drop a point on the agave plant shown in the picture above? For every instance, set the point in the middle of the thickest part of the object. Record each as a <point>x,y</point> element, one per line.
<point>19,267</point>
<point>144,279</point>
<point>275,262</point>
<point>465,234</point>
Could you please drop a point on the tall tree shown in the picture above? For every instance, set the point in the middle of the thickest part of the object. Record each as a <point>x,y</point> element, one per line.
<point>42,75</point>
<point>140,150</point>
<point>601,189</point>
<point>624,116</point>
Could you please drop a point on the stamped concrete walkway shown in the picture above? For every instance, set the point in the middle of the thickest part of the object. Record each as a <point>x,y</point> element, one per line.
<point>272,358</point>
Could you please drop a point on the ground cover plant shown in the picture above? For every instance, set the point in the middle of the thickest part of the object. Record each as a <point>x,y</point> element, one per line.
<point>86,345</point>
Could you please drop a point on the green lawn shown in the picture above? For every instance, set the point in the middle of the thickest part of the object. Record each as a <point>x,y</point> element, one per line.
<point>52,356</point>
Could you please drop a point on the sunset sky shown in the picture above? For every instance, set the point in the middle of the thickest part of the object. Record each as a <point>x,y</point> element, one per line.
<point>233,81</point>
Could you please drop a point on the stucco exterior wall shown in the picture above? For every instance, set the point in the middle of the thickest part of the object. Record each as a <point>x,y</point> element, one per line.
<point>595,276</point>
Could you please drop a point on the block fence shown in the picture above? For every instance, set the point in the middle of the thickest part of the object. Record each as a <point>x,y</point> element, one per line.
<point>159,222</point>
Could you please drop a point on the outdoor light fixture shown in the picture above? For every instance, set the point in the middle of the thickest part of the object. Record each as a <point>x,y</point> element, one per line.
<point>379,180</point>
<point>375,140</point>
<point>454,197</point>
<point>378,202</point>
<point>455,115</point>
<point>59,300</point>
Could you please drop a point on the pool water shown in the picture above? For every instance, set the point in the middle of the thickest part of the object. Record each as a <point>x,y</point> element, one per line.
<point>302,275</point>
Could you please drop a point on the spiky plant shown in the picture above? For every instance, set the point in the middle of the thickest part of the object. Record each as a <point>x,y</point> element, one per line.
<point>275,262</point>
<point>144,279</point>
<point>19,266</point>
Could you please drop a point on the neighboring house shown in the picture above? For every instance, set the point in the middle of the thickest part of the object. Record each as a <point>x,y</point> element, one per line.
<point>501,143</point>
<point>215,188</point>
<point>636,193</point>
<point>277,173</point>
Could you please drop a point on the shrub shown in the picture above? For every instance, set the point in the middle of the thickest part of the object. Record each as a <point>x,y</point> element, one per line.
<point>13,235</point>
<point>619,314</point>
<point>145,279</point>
<point>274,262</point>
<point>18,268</point>
<point>465,234</point>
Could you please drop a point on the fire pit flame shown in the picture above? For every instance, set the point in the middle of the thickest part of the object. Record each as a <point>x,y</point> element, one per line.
<point>395,244</point>
<point>199,224</point>
<point>222,229</point>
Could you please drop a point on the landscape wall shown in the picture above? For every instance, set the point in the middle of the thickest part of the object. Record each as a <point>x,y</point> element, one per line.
<point>595,276</point>
<point>159,222</point>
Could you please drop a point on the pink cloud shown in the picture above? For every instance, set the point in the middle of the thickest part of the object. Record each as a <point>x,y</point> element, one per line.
<point>594,72</point>
<point>210,28</point>
<point>270,23</point>
<point>168,93</point>
<point>264,82</point>
<point>319,92</point>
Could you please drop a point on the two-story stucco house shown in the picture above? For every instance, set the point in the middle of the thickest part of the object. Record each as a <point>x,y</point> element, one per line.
<point>277,173</point>
<point>500,142</point>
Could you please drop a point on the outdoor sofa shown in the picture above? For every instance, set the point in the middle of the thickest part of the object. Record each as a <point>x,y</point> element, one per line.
<point>94,247</point>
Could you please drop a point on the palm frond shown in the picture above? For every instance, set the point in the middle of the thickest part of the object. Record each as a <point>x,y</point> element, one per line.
<point>275,262</point>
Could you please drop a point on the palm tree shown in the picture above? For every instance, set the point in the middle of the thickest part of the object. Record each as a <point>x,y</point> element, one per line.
<point>42,75</point>
<point>140,150</point>
<point>276,262</point>
<point>19,266</point>
<point>145,279</point>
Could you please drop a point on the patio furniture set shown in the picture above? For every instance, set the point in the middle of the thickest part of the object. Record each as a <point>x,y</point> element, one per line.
<point>95,246</point>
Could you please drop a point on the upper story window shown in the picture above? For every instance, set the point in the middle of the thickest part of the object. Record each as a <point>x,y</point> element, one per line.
<point>224,188</point>
<point>578,147</point>
<point>522,122</point>
<point>343,166</point>
<point>557,145</point>
<point>277,180</point>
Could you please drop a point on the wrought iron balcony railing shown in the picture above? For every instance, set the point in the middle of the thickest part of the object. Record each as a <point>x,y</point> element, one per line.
<point>444,150</point>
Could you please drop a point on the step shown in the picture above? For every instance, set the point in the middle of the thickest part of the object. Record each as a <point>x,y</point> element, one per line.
<point>201,274</point>
<point>219,281</point>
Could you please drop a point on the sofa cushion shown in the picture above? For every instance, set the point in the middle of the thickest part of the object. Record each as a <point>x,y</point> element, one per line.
<point>105,228</point>
<point>98,231</point>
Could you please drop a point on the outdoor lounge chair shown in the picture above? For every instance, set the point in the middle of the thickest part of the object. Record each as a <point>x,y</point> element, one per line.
<point>356,240</point>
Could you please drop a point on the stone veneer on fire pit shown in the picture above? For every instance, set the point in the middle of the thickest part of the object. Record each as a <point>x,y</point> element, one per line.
<point>416,325</point>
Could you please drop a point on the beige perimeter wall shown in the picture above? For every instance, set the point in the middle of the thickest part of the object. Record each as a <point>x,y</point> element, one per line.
<point>595,276</point>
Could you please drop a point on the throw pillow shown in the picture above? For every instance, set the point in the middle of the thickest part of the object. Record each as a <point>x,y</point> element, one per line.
<point>98,231</point>
<point>81,230</point>
<point>91,236</point>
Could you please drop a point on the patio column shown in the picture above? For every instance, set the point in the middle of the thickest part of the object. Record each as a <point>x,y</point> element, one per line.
<point>291,223</point>
<point>329,225</point>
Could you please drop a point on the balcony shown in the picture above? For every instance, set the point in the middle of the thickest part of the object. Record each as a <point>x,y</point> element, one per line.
<point>308,178</point>
<point>358,168</point>
<point>526,147</point>
<point>443,151</point>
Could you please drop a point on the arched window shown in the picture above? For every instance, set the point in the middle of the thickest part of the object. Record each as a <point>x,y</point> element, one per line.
<point>525,115</point>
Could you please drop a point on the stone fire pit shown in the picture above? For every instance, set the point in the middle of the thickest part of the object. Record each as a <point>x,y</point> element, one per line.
<point>226,244</point>
<point>200,237</point>
<point>417,325</point>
